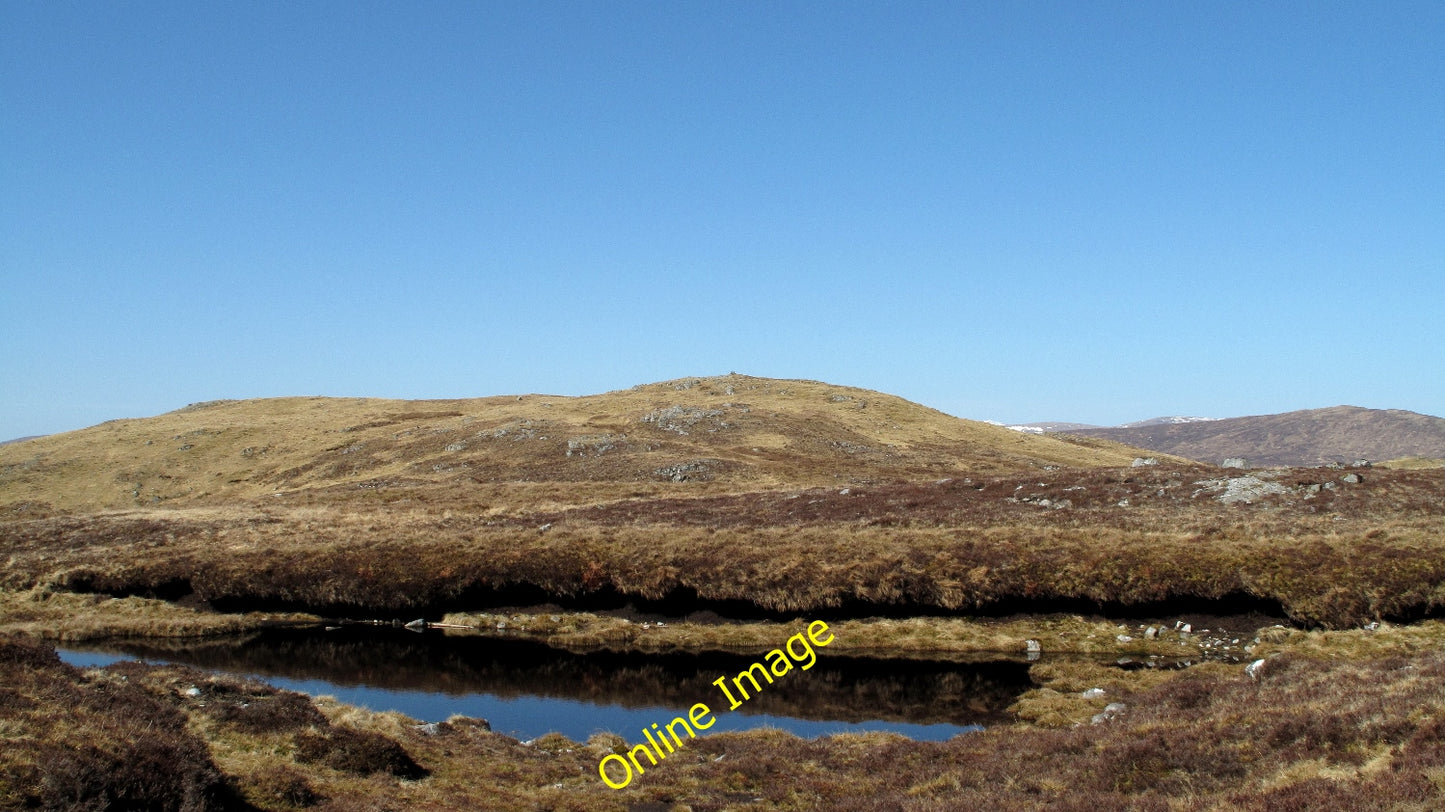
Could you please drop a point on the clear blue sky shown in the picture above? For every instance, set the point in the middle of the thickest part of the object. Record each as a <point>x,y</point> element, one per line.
<point>1013,211</point>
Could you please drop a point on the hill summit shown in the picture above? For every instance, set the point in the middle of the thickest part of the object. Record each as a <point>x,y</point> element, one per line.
<point>721,433</point>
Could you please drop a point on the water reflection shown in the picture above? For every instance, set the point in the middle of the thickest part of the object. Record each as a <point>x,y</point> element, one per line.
<point>526,689</point>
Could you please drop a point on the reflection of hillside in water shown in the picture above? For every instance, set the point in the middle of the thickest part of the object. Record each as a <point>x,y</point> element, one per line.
<point>835,689</point>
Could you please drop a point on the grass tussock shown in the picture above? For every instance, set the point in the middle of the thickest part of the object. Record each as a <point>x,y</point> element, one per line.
<point>940,547</point>
<point>76,741</point>
<point>1311,726</point>
<point>60,615</point>
<point>929,638</point>
<point>727,432</point>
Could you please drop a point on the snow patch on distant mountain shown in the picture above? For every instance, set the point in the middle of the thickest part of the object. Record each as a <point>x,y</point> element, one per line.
<point>1045,428</point>
<point>1053,426</point>
<point>1167,421</point>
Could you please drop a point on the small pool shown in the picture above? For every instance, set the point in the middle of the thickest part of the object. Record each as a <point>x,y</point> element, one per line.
<point>526,689</point>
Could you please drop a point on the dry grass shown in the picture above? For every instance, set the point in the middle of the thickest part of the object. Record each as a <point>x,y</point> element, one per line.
<point>817,499</point>
<point>74,741</point>
<point>1309,731</point>
<point>44,613</point>
<point>906,528</point>
<point>1336,557</point>
<point>919,638</point>
<point>725,433</point>
<point>1412,463</point>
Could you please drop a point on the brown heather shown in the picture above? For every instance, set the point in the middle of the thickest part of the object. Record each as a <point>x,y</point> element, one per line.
<point>1310,732</point>
<point>919,536</point>
<point>1351,555</point>
<point>735,432</point>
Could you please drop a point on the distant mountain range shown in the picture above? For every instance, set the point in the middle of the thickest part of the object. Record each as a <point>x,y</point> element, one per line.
<point>1055,427</point>
<point>1341,434</point>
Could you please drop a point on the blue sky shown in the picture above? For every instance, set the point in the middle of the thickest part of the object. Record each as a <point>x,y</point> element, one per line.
<point>1013,211</point>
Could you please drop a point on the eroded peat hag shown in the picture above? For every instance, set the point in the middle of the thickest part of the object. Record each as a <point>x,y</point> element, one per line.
<point>1109,538</point>
<point>711,531</point>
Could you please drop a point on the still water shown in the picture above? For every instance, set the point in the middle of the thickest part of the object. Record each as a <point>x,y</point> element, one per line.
<point>526,689</point>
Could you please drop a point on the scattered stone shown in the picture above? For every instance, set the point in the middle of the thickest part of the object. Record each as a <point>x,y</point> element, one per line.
<point>1254,669</point>
<point>1093,693</point>
<point>1235,462</point>
<point>1352,479</point>
<point>1111,710</point>
<point>193,692</point>
<point>419,623</point>
<point>428,729</point>
<point>1124,638</point>
<point>595,444</point>
<point>515,430</point>
<point>457,447</point>
<point>1140,462</point>
<point>1186,629</point>
<point>1151,633</point>
<point>1033,646</point>
<point>1043,502</point>
<point>1240,489</point>
<point>686,471</point>
<point>1361,464</point>
<point>679,419</point>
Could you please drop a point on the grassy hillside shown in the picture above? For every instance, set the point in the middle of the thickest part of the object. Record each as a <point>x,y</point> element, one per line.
<point>1341,434</point>
<point>738,493</point>
<point>735,432</point>
<point>731,505</point>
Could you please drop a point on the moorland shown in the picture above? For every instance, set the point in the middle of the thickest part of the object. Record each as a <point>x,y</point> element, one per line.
<point>736,507</point>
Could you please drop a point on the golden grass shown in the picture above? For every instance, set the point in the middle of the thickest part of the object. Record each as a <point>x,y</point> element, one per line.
<point>1412,463</point>
<point>929,638</point>
<point>47,614</point>
<point>1315,728</point>
<point>919,548</point>
<point>798,497</point>
<point>750,432</point>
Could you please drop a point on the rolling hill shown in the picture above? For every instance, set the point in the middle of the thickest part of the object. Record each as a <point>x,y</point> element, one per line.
<point>723,433</point>
<point>1342,434</point>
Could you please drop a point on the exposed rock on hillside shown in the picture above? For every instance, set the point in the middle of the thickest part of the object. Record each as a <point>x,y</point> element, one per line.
<point>751,432</point>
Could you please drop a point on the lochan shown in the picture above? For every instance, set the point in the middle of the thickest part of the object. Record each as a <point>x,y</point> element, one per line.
<point>799,648</point>
<point>779,664</point>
